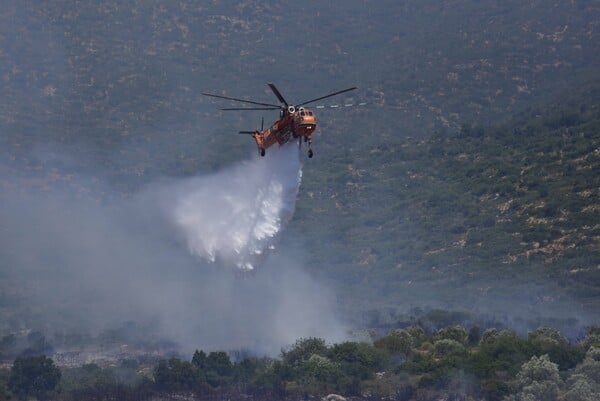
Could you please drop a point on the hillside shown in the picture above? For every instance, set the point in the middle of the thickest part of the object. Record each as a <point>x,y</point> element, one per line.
<point>466,218</point>
<point>120,83</point>
<point>468,181</point>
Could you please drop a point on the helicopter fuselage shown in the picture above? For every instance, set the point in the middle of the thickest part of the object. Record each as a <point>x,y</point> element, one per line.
<point>292,124</point>
<point>294,121</point>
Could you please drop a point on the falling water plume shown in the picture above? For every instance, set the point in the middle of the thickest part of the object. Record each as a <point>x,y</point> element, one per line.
<point>234,215</point>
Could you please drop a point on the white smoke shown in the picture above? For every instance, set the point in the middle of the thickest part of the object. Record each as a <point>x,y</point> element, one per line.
<point>234,215</point>
<point>80,258</point>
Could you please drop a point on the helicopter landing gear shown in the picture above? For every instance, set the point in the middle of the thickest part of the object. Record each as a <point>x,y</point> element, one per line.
<point>262,152</point>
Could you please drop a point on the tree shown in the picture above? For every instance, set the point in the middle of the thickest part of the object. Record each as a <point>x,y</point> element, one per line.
<point>546,340</point>
<point>474,335</point>
<point>396,342</point>
<point>216,367</point>
<point>303,350</point>
<point>359,360</point>
<point>199,359</point>
<point>33,376</point>
<point>269,379</point>
<point>447,347</point>
<point>176,375</point>
<point>417,334</point>
<point>581,390</point>
<point>246,371</point>
<point>219,369</point>
<point>538,380</point>
<point>220,363</point>
<point>586,377</point>
<point>592,338</point>
<point>489,337</point>
<point>456,333</point>
<point>503,350</point>
<point>318,374</point>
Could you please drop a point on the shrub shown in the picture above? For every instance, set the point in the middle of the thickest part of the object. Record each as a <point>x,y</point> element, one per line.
<point>303,349</point>
<point>538,379</point>
<point>33,376</point>
<point>397,341</point>
<point>456,333</point>
<point>447,347</point>
<point>175,375</point>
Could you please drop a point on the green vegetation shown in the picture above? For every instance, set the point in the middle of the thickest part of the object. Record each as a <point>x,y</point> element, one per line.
<point>127,77</point>
<point>404,364</point>
<point>33,376</point>
<point>507,212</point>
<point>470,180</point>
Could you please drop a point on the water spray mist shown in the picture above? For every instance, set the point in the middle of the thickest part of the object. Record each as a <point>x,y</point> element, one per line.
<point>234,216</point>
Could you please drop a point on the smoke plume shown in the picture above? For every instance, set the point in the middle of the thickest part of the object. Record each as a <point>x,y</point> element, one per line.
<point>77,257</point>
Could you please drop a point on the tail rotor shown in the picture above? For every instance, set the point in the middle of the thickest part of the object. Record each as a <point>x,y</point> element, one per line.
<point>256,134</point>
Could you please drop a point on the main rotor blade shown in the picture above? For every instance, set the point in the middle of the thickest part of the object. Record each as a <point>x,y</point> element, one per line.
<point>251,108</point>
<point>276,92</point>
<point>326,96</point>
<point>242,100</point>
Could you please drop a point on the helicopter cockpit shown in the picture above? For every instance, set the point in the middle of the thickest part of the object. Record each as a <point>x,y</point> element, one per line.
<point>305,120</point>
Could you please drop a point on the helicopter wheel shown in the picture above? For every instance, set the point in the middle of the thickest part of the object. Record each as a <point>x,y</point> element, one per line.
<point>262,152</point>
<point>310,153</point>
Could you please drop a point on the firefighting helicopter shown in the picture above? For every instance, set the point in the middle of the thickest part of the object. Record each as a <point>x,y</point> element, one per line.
<point>295,121</point>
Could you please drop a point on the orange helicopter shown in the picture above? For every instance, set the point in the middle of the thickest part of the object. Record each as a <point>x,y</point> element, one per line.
<point>295,121</point>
